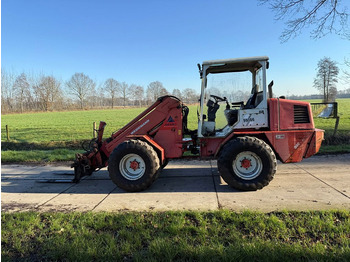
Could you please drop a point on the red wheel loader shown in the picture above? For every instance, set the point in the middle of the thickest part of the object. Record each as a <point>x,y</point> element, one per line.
<point>246,131</point>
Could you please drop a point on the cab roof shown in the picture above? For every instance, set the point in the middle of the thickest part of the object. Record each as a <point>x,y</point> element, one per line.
<point>234,64</point>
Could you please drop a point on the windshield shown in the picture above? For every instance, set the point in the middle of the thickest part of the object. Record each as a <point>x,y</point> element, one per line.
<point>236,87</point>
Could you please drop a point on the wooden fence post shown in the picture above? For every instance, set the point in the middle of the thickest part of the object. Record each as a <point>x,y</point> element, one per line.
<point>7,133</point>
<point>94,130</point>
<point>336,126</point>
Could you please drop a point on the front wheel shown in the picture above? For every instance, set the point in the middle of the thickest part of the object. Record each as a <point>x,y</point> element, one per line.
<point>247,163</point>
<point>133,165</point>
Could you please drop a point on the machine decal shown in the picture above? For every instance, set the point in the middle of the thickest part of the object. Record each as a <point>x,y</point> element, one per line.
<point>252,118</point>
<point>296,145</point>
<point>139,127</point>
<point>249,120</point>
<point>170,123</point>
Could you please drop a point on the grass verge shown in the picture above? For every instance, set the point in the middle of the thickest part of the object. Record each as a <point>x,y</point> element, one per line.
<point>334,149</point>
<point>174,236</point>
<point>37,156</point>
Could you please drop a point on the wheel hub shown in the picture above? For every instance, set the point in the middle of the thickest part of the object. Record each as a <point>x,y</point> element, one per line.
<point>247,165</point>
<point>132,167</point>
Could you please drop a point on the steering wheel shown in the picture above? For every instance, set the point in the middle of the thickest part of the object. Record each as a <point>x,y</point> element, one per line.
<point>218,98</point>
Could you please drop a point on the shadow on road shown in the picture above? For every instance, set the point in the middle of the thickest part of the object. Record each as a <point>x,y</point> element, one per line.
<point>170,181</point>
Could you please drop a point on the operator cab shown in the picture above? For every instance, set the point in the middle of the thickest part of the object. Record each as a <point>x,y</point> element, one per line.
<point>233,96</point>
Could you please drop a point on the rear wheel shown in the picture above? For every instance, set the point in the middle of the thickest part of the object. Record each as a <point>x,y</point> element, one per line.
<point>247,163</point>
<point>133,165</point>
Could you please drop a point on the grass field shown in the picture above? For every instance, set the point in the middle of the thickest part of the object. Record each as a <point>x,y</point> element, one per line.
<point>56,136</point>
<point>176,236</point>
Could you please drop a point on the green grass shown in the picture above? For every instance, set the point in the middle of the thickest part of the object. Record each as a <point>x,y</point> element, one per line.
<point>176,236</point>
<point>32,134</point>
<point>17,156</point>
<point>63,126</point>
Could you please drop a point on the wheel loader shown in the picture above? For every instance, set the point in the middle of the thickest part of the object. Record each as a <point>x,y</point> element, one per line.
<point>246,136</point>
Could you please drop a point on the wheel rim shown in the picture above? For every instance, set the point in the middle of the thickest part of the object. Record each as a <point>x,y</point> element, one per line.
<point>247,165</point>
<point>132,167</point>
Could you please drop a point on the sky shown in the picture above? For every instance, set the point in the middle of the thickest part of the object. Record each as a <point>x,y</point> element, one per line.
<point>143,41</point>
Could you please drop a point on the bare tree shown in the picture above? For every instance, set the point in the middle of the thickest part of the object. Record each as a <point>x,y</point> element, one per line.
<point>81,86</point>
<point>124,91</point>
<point>34,80</point>
<point>112,87</point>
<point>102,98</point>
<point>346,73</point>
<point>155,90</point>
<point>190,96</point>
<point>136,93</point>
<point>7,82</point>
<point>176,92</point>
<point>48,91</point>
<point>326,78</point>
<point>324,16</point>
<point>21,90</point>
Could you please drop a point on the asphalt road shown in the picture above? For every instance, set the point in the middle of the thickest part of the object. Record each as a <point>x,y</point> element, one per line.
<point>317,183</point>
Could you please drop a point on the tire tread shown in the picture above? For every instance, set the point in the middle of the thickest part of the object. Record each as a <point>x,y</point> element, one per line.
<point>147,179</point>
<point>225,160</point>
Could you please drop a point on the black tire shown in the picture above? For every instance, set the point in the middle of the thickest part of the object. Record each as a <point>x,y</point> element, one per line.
<point>166,161</point>
<point>133,165</point>
<point>247,163</point>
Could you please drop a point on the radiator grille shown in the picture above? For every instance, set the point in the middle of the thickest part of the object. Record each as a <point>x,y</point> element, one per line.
<point>301,115</point>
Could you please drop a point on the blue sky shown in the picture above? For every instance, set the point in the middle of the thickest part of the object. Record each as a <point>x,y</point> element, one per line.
<point>144,41</point>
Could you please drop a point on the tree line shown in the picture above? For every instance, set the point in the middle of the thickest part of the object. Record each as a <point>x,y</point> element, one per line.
<point>28,92</point>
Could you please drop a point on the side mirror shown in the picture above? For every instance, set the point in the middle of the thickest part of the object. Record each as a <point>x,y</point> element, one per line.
<point>200,70</point>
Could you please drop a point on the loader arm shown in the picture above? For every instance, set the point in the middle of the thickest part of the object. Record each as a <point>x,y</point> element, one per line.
<point>145,126</point>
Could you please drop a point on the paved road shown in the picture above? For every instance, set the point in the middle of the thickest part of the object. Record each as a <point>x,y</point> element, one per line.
<point>317,183</point>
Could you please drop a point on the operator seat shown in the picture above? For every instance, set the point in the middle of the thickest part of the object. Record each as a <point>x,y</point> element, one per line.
<point>254,100</point>
<point>259,98</point>
<point>251,101</point>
